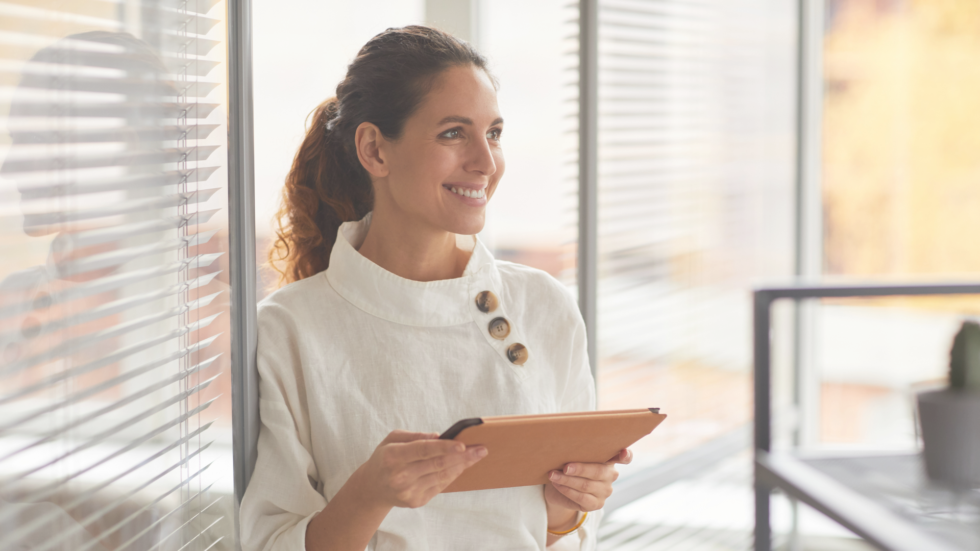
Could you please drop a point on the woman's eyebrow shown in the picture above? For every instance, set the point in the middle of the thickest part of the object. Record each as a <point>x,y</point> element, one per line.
<point>466,120</point>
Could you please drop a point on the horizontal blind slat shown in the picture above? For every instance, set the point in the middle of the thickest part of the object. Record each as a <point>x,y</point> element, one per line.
<point>101,387</point>
<point>91,518</point>
<point>102,7</point>
<point>135,515</point>
<point>51,489</point>
<point>177,530</point>
<point>80,343</point>
<point>111,283</point>
<point>151,89</point>
<point>122,134</point>
<point>74,186</point>
<point>113,308</point>
<point>192,499</point>
<point>121,257</point>
<point>89,238</point>
<point>125,158</point>
<point>109,432</point>
<point>91,366</point>
<point>116,109</point>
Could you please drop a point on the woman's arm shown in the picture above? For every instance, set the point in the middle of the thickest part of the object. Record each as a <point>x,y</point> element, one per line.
<point>282,508</point>
<point>407,469</point>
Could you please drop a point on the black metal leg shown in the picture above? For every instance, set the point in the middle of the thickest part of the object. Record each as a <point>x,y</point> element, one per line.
<point>763,534</point>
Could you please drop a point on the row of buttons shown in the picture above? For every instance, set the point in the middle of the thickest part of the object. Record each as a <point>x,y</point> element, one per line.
<point>499,327</point>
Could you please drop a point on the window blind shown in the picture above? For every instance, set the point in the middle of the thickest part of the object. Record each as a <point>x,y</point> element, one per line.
<point>113,302</point>
<point>695,138</point>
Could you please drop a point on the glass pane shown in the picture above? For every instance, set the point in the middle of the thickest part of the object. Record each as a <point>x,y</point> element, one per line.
<point>899,172</point>
<point>533,50</point>
<point>115,393</point>
<point>696,138</point>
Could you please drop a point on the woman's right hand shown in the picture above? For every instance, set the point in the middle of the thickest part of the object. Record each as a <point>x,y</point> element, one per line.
<point>406,470</point>
<point>410,468</point>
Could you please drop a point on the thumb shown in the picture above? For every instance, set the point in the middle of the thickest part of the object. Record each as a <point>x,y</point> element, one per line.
<point>402,436</point>
<point>624,457</point>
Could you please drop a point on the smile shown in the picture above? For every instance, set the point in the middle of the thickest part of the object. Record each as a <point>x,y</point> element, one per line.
<point>471,193</point>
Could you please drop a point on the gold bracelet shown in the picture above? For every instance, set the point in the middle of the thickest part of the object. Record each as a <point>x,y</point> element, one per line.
<point>574,528</point>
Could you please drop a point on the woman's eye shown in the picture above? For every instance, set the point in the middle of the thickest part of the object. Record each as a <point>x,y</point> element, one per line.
<point>451,134</point>
<point>494,134</point>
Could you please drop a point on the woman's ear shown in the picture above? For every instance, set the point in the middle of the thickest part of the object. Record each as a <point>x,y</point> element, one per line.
<point>369,141</point>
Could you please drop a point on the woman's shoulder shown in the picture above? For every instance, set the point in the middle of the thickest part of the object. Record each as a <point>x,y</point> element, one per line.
<point>531,284</point>
<point>296,298</point>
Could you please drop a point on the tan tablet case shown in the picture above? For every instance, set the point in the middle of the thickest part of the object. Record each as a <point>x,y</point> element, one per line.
<point>524,448</point>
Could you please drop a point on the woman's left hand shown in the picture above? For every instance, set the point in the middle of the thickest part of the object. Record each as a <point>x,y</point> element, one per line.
<point>584,486</point>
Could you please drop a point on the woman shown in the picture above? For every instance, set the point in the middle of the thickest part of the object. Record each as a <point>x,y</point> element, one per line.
<point>397,319</point>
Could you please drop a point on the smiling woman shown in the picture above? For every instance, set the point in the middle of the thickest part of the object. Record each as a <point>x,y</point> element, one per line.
<point>436,177</point>
<point>396,318</point>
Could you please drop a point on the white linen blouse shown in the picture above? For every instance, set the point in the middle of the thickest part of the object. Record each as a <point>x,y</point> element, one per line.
<point>350,354</point>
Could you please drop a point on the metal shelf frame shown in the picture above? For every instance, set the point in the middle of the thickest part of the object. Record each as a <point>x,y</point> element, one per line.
<point>766,476</point>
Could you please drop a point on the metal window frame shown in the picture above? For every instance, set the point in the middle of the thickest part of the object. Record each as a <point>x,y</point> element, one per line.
<point>241,230</point>
<point>587,260</point>
<point>762,301</point>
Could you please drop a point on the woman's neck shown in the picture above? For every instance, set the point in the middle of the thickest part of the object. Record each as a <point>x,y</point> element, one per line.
<point>413,252</point>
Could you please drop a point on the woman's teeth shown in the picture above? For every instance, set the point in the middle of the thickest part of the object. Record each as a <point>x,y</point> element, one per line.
<point>473,193</point>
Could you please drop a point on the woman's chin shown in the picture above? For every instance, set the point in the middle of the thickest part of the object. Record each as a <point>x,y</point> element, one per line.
<point>468,225</point>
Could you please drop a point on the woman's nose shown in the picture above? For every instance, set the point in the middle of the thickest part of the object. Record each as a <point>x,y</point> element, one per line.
<point>481,158</point>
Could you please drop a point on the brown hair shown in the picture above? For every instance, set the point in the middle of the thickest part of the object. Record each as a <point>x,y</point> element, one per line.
<point>327,185</point>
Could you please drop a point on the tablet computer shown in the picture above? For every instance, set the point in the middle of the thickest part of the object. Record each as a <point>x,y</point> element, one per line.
<point>525,448</point>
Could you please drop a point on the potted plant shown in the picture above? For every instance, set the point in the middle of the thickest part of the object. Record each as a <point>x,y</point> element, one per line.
<point>950,417</point>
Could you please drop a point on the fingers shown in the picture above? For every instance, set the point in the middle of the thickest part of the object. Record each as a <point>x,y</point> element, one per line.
<point>419,450</point>
<point>590,485</point>
<point>595,471</point>
<point>587,502</point>
<point>448,461</point>
<point>624,457</point>
<point>598,488</point>
<point>402,436</point>
<point>439,479</point>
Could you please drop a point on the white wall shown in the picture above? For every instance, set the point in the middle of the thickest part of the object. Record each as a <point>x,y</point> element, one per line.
<point>301,52</point>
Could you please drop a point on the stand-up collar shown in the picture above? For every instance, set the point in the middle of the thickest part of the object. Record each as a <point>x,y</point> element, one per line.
<point>388,296</point>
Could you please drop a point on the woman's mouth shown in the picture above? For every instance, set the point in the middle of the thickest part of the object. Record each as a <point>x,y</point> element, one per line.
<point>465,192</point>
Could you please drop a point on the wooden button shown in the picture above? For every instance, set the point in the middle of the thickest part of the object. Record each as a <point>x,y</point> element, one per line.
<point>499,328</point>
<point>517,353</point>
<point>487,302</point>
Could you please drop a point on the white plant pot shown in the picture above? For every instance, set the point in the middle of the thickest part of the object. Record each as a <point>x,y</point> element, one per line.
<point>950,422</point>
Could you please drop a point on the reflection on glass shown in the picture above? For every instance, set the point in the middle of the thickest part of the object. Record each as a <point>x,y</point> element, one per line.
<point>112,306</point>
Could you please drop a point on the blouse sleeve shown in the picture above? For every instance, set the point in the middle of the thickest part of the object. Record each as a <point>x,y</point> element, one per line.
<point>580,395</point>
<point>282,495</point>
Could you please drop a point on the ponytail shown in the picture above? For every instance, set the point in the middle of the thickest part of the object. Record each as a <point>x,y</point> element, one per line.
<point>323,189</point>
<point>327,185</point>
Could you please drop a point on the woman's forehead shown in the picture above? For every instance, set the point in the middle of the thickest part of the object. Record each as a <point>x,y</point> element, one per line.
<point>462,95</point>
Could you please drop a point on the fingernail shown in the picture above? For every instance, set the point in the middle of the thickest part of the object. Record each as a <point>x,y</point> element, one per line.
<point>460,448</point>
<point>555,476</point>
<point>570,469</point>
<point>480,452</point>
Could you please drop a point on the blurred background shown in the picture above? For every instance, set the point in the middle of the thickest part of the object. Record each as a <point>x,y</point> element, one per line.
<point>727,158</point>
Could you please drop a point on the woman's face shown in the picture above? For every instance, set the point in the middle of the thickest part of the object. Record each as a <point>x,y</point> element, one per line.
<point>448,161</point>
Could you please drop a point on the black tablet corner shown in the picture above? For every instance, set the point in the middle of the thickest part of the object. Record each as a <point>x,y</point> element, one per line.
<point>454,430</point>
